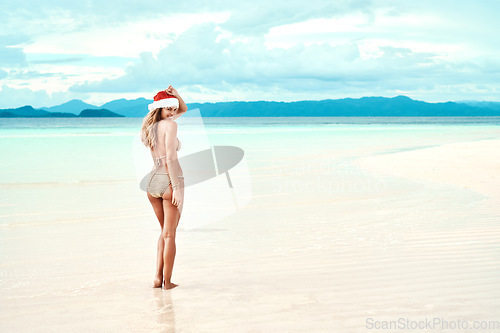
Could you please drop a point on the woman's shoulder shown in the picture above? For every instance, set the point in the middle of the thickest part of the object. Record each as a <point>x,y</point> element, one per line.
<point>167,123</point>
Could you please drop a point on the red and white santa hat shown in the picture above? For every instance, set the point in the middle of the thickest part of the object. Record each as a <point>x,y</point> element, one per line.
<point>163,100</point>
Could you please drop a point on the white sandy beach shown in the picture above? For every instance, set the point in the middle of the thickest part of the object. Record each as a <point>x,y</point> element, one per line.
<point>410,234</point>
<point>473,165</point>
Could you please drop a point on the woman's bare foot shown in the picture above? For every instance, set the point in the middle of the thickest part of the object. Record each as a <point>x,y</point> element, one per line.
<point>169,285</point>
<point>157,282</point>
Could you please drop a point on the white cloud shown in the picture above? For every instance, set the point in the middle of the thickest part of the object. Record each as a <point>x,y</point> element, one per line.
<point>234,65</point>
<point>16,97</point>
<point>55,78</point>
<point>127,39</point>
<point>412,31</point>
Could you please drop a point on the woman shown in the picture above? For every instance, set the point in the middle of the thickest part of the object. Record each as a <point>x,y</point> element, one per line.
<point>166,187</point>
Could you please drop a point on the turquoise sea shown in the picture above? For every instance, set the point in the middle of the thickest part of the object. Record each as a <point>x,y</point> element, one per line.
<point>44,158</point>
<point>40,155</point>
<point>59,150</point>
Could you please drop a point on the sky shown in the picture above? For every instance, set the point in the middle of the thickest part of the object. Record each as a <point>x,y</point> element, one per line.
<point>280,50</point>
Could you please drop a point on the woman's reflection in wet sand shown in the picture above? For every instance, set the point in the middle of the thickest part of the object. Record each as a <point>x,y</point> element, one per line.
<point>165,310</point>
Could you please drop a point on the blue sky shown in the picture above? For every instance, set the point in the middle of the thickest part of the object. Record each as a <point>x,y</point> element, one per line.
<point>98,51</point>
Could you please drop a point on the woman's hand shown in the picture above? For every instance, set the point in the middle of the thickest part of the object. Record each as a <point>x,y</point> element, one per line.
<point>171,91</point>
<point>177,197</point>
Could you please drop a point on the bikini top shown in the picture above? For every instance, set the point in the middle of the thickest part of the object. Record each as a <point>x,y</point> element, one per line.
<point>157,159</point>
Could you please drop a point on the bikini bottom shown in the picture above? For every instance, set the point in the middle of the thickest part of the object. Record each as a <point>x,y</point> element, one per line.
<point>158,184</point>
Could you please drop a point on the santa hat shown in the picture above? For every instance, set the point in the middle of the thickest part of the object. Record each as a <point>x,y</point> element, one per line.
<point>163,100</point>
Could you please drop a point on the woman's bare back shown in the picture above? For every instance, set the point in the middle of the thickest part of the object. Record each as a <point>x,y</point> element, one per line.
<point>159,153</point>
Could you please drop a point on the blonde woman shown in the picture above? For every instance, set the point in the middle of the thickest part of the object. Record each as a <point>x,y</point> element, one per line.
<point>165,189</point>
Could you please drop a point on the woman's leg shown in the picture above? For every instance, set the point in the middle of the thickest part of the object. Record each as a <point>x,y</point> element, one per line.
<point>171,214</point>
<point>158,208</point>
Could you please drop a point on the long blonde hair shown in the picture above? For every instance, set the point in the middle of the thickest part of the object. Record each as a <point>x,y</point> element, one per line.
<point>149,128</point>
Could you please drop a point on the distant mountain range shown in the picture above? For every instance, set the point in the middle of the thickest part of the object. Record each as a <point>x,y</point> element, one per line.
<point>399,106</point>
<point>29,112</point>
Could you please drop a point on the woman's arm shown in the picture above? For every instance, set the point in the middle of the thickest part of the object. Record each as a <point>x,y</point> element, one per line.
<point>182,106</point>
<point>174,168</point>
<point>178,114</point>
